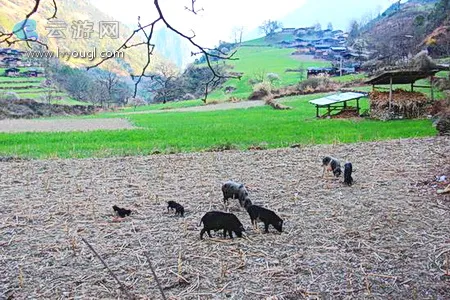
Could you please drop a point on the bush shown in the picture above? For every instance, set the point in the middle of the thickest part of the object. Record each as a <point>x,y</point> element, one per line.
<point>272,77</point>
<point>189,96</point>
<point>137,101</point>
<point>253,81</point>
<point>261,91</point>
<point>9,96</point>
<point>264,86</point>
<point>443,84</point>
<point>315,83</point>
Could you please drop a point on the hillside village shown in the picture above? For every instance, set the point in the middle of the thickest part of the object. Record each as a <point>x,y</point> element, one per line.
<point>328,44</point>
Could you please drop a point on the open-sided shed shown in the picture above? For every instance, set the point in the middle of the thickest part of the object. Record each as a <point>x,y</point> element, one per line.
<point>403,77</point>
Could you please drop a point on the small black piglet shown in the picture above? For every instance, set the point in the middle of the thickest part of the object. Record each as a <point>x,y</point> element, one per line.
<point>179,209</point>
<point>122,212</point>
<point>258,213</point>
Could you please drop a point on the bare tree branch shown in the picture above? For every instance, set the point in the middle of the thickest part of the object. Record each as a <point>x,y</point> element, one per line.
<point>124,289</point>
<point>154,275</point>
<point>35,8</point>
<point>7,37</point>
<point>200,48</point>
<point>55,10</point>
<point>207,52</point>
<point>192,9</point>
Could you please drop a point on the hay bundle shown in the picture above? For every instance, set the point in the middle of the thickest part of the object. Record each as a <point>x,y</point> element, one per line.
<point>277,105</point>
<point>404,104</point>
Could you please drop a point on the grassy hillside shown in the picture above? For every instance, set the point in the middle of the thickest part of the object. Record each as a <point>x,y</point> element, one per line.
<point>256,60</point>
<point>195,131</point>
<point>14,11</point>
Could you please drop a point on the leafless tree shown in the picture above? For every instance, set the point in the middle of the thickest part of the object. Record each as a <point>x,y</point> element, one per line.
<point>302,71</point>
<point>330,26</point>
<point>97,94</point>
<point>108,81</point>
<point>237,33</point>
<point>49,91</point>
<point>317,27</point>
<point>147,30</point>
<point>269,27</point>
<point>165,73</point>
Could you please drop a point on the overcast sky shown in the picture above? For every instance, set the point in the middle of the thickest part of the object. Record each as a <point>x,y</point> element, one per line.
<point>218,18</point>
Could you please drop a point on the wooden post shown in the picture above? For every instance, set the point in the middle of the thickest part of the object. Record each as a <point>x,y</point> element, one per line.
<point>431,88</point>
<point>390,93</point>
<point>329,110</point>
<point>317,111</point>
<point>340,68</point>
<point>357,105</point>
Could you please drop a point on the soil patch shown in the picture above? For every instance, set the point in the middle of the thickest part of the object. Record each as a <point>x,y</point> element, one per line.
<point>64,125</point>
<point>385,237</point>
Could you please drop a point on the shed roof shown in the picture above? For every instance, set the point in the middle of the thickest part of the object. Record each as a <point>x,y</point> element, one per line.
<point>401,76</point>
<point>336,98</point>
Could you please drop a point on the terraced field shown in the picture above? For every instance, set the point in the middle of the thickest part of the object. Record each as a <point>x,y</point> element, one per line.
<point>32,88</point>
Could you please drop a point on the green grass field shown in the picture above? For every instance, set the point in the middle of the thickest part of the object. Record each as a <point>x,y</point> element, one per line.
<point>262,60</point>
<point>19,85</point>
<point>4,79</point>
<point>168,105</point>
<point>197,131</point>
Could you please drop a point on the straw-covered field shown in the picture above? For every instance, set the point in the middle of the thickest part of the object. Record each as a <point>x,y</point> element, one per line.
<point>386,237</point>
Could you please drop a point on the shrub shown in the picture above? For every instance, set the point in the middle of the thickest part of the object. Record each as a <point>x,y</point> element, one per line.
<point>253,81</point>
<point>272,77</point>
<point>188,96</point>
<point>137,101</point>
<point>9,96</point>
<point>315,83</point>
<point>443,84</point>
<point>264,86</point>
<point>261,91</point>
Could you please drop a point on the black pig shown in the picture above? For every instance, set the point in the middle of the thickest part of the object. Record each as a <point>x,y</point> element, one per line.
<point>179,209</point>
<point>217,220</point>
<point>122,212</point>
<point>258,213</point>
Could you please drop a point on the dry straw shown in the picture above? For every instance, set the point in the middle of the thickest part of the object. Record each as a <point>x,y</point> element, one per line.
<point>387,236</point>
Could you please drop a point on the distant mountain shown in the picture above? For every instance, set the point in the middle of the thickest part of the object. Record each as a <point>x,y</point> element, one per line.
<point>172,47</point>
<point>69,11</point>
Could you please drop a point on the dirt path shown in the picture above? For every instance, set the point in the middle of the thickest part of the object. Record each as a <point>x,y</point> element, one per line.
<point>26,125</point>
<point>386,237</point>
<point>211,107</point>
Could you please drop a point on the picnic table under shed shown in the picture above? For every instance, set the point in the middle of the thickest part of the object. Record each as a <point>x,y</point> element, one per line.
<point>336,102</point>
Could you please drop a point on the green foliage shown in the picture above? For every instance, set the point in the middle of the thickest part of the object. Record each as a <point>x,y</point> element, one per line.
<point>439,14</point>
